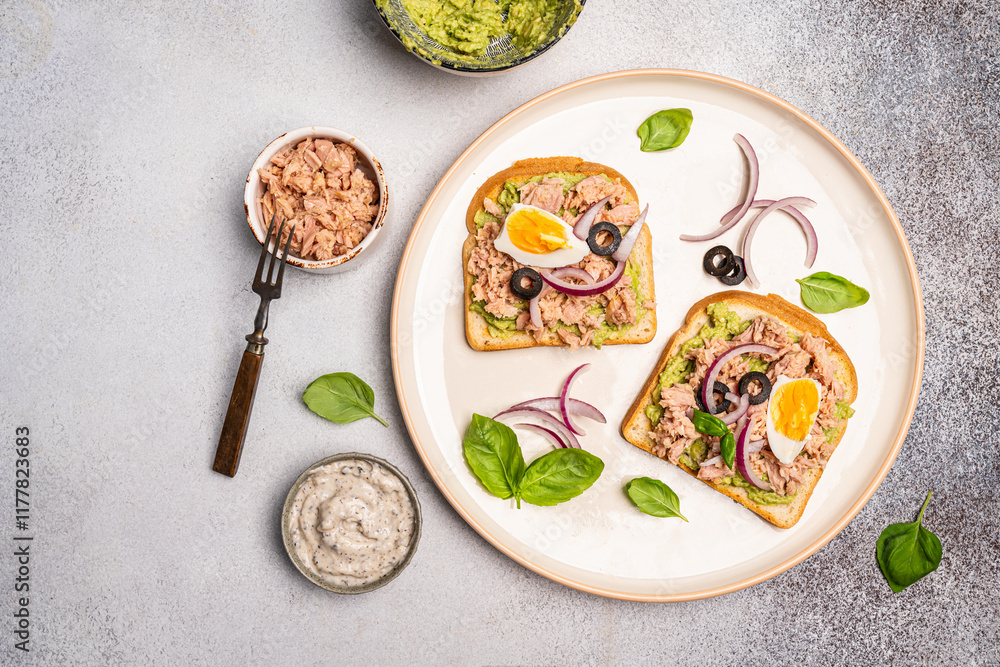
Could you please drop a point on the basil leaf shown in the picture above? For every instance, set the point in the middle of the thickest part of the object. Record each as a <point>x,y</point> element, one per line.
<point>823,292</point>
<point>907,552</point>
<point>709,424</point>
<point>654,497</point>
<point>559,476</point>
<point>341,398</point>
<point>728,446</point>
<point>664,129</point>
<point>491,450</point>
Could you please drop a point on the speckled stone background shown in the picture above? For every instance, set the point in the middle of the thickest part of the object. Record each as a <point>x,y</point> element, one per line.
<point>126,130</point>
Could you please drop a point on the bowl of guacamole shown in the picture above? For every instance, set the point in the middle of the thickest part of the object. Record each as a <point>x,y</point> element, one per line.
<point>478,37</point>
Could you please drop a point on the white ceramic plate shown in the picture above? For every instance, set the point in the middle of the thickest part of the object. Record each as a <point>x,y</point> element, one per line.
<point>598,542</point>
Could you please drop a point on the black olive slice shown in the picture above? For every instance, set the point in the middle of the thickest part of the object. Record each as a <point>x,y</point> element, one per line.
<point>604,250</point>
<point>737,275</point>
<point>517,283</point>
<point>765,387</point>
<point>717,268</point>
<point>720,388</point>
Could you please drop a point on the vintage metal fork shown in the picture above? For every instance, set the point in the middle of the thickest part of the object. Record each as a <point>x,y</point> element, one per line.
<point>234,429</point>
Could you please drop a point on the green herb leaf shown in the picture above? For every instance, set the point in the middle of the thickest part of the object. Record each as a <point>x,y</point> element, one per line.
<point>823,292</point>
<point>654,497</point>
<point>491,450</point>
<point>341,398</point>
<point>728,446</point>
<point>559,476</point>
<point>664,129</point>
<point>907,552</point>
<point>709,424</point>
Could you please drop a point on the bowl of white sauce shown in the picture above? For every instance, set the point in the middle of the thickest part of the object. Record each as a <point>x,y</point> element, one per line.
<point>351,523</point>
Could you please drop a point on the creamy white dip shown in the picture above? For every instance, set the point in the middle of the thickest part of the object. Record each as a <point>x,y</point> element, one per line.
<point>351,522</point>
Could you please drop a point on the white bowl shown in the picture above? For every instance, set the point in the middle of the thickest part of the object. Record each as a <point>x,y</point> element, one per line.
<point>366,162</point>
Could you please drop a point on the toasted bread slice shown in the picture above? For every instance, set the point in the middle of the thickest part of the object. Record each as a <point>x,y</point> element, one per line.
<point>636,427</point>
<point>477,330</point>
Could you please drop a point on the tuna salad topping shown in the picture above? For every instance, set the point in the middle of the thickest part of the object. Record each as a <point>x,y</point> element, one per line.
<point>578,321</point>
<point>318,187</point>
<point>674,435</point>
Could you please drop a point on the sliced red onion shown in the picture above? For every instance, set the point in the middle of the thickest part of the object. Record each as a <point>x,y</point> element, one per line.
<point>711,462</point>
<point>743,404</point>
<point>585,290</point>
<point>756,445</point>
<point>807,228</point>
<point>550,435</point>
<point>535,310</point>
<point>628,241</point>
<point>542,418</point>
<point>812,243</point>
<point>743,460</point>
<point>573,272</point>
<point>573,406</point>
<point>582,228</point>
<point>565,394</point>
<point>756,203</point>
<point>707,393</point>
<point>742,209</point>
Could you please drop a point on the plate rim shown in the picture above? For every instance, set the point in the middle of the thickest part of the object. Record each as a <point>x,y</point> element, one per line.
<point>883,470</point>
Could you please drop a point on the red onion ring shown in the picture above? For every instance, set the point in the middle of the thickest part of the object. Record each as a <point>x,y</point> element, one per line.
<point>584,290</point>
<point>574,272</point>
<point>741,409</point>
<point>535,311</point>
<point>707,393</point>
<point>582,227</point>
<point>565,394</point>
<point>628,241</point>
<point>752,229</point>
<point>542,418</point>
<point>550,435</point>
<point>742,209</point>
<point>573,406</point>
<point>712,461</point>
<point>812,242</point>
<point>743,460</point>
<point>564,272</point>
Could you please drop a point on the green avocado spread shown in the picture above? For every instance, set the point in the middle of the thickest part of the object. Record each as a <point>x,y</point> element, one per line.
<point>468,26</point>
<point>504,326</point>
<point>722,323</point>
<point>758,496</point>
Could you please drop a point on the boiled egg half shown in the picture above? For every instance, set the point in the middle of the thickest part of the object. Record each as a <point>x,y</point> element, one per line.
<point>791,414</point>
<point>535,237</point>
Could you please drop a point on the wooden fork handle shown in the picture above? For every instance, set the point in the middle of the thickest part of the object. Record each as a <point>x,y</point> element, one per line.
<point>234,429</point>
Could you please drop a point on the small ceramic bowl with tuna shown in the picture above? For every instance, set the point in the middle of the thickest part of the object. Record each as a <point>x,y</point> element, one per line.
<point>327,188</point>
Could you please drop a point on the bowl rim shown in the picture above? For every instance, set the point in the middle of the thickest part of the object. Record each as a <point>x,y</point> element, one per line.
<point>286,536</point>
<point>478,70</point>
<point>251,205</point>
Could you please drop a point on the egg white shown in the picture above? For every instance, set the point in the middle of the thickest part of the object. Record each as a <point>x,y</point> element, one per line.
<point>551,260</point>
<point>784,448</point>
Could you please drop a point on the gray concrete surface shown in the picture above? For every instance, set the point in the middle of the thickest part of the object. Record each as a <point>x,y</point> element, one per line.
<point>126,129</point>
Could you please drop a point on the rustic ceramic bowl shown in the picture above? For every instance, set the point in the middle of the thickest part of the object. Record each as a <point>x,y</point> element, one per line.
<point>366,162</point>
<point>500,56</point>
<point>312,576</point>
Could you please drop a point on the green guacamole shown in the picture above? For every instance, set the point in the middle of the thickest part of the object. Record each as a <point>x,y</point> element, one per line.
<point>468,26</point>
<point>758,496</point>
<point>722,323</point>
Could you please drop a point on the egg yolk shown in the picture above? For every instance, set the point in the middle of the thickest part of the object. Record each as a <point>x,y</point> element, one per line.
<point>535,232</point>
<point>794,407</point>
